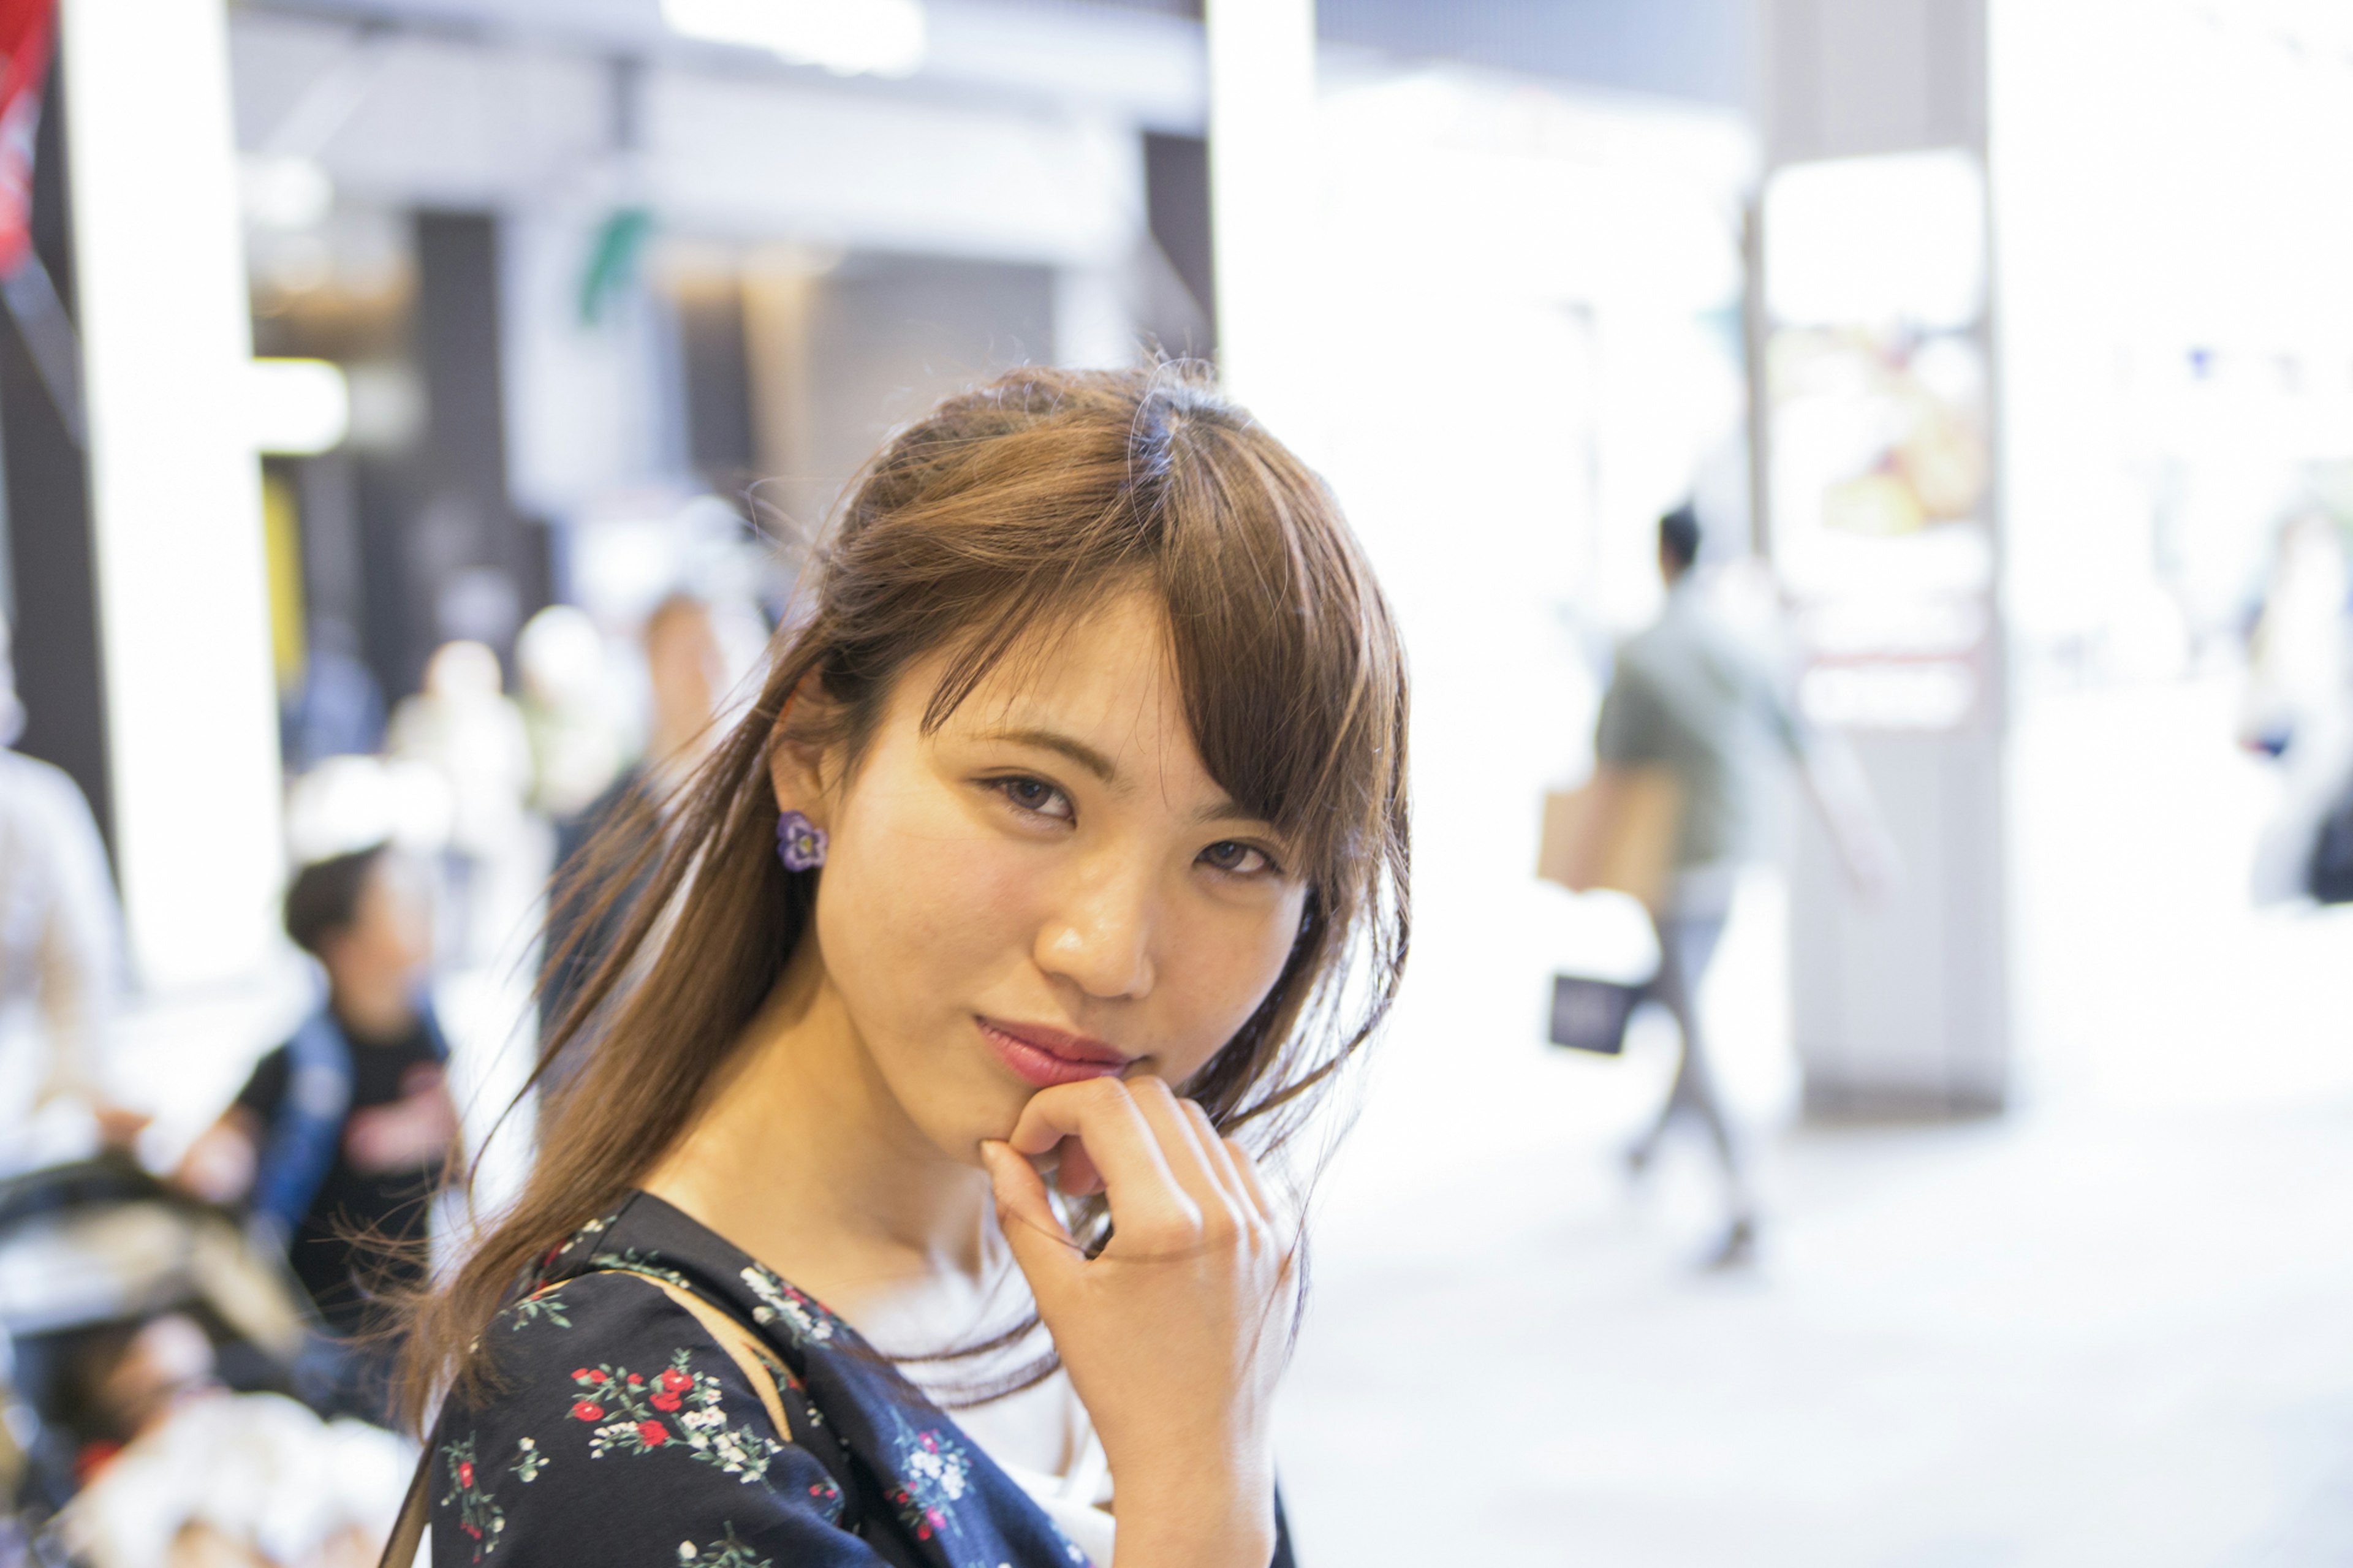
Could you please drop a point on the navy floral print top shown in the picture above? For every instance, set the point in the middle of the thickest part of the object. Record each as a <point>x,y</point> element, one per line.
<point>622,1434</point>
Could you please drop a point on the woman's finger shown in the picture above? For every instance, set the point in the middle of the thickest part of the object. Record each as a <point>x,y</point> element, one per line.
<point>1252,1182</point>
<point>1041,1244</point>
<point>1220,1158</point>
<point>1192,1158</point>
<point>1103,1115</point>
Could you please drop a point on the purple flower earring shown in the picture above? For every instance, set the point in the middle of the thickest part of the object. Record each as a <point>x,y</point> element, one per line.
<point>800,843</point>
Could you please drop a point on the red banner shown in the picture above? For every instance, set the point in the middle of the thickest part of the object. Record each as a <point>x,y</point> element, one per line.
<point>26,29</point>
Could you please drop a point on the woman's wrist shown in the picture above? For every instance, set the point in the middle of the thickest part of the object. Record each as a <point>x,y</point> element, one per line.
<point>1199,1530</point>
<point>1195,1515</point>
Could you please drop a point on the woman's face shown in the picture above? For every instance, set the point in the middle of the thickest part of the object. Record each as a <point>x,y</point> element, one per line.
<point>1049,887</point>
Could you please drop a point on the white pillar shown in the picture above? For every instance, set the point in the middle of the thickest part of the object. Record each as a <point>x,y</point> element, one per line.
<point>175,488</point>
<point>1877,109</point>
<point>1093,328</point>
<point>1261,109</point>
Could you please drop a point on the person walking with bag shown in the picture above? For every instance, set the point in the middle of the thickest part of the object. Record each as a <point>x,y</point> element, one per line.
<point>1689,698</point>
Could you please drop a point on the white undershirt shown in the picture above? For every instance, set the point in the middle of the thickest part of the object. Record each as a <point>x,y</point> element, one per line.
<point>1075,1498</point>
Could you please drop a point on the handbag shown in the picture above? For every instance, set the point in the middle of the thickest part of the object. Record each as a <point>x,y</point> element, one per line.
<point>1617,832</point>
<point>1590,1014</point>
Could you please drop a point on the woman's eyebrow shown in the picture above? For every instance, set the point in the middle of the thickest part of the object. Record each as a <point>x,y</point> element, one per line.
<point>1078,751</point>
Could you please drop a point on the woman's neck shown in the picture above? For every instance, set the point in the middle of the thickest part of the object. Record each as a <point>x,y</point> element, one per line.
<point>802,1157</point>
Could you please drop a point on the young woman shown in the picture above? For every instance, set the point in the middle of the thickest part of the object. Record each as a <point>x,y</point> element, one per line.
<point>1066,841</point>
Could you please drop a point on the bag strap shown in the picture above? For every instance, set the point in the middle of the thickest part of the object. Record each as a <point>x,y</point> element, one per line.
<point>742,1346</point>
<point>734,1338</point>
<point>409,1529</point>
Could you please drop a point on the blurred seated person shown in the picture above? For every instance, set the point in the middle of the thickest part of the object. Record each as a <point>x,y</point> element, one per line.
<point>60,960</point>
<point>339,1139</point>
<point>178,1472</point>
<point>686,671</point>
<point>121,1380</point>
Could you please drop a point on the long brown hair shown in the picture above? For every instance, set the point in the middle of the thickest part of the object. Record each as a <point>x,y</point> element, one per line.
<point>1007,509</point>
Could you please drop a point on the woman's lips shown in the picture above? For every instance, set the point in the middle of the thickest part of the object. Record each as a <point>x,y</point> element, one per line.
<point>1044,1056</point>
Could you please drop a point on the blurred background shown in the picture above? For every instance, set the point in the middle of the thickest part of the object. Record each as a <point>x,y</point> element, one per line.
<point>408,410</point>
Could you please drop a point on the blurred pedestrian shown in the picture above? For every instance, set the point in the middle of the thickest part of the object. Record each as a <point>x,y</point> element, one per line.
<point>338,709</point>
<point>2298,707</point>
<point>567,709</point>
<point>686,674</point>
<point>60,960</point>
<point>341,1135</point>
<point>463,724</point>
<point>1690,695</point>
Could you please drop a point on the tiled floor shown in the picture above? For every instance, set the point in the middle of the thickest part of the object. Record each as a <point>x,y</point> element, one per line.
<point>2116,1326</point>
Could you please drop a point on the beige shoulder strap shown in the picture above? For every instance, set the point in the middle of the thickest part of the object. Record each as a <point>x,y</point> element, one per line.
<point>408,1530</point>
<point>738,1342</point>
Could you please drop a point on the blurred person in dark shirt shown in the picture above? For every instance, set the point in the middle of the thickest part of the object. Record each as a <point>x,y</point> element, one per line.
<point>340,1137</point>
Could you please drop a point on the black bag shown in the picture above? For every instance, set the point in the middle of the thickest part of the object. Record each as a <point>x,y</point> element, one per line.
<point>2329,875</point>
<point>1590,1014</point>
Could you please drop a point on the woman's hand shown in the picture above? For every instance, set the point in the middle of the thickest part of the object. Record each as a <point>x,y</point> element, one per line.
<point>1175,1335</point>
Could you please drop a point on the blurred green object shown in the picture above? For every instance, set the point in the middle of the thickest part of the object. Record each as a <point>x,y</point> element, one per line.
<point>613,260</point>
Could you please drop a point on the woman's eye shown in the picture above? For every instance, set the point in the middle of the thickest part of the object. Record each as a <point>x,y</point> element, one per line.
<point>1036,795</point>
<point>1238,859</point>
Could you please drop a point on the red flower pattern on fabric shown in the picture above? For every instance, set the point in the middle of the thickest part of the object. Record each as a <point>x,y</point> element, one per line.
<point>584,1411</point>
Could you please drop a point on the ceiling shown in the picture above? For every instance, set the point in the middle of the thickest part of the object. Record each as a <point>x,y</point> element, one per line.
<point>1690,49</point>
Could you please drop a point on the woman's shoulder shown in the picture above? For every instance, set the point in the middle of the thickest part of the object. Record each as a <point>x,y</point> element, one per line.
<point>603,1311</point>
<point>606,1412</point>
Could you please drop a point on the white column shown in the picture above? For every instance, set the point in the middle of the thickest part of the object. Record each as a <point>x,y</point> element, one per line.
<point>1876,126</point>
<point>175,488</point>
<point>1093,328</point>
<point>1261,110</point>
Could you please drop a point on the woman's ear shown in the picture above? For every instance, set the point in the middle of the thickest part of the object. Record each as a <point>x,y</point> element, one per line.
<point>800,762</point>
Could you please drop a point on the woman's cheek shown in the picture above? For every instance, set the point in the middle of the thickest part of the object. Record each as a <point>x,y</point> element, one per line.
<point>937,897</point>
<point>1231,964</point>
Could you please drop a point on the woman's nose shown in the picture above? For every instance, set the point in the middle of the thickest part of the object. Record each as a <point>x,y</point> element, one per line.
<point>1100,937</point>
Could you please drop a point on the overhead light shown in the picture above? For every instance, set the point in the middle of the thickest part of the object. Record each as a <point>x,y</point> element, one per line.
<point>283,191</point>
<point>847,37</point>
<point>297,407</point>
